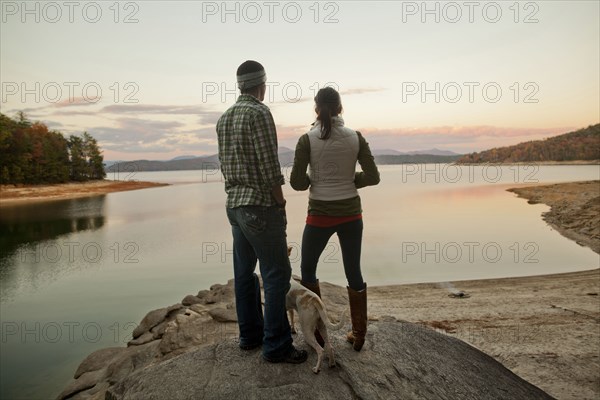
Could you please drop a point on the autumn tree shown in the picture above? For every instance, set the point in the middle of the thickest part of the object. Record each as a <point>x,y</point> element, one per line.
<point>583,144</point>
<point>33,154</point>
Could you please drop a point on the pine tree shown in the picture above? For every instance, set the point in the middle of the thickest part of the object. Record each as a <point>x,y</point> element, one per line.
<point>78,162</point>
<point>95,159</point>
<point>22,119</point>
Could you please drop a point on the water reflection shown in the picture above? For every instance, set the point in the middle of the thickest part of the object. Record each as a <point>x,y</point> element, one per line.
<point>32,223</point>
<point>25,227</point>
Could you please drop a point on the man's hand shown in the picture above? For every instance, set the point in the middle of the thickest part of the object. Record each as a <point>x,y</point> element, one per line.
<point>278,195</point>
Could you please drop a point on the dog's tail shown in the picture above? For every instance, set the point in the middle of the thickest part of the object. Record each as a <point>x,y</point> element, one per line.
<point>328,323</point>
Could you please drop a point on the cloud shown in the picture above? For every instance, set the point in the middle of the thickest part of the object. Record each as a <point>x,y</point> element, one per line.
<point>138,128</point>
<point>30,112</point>
<point>360,91</point>
<point>305,98</point>
<point>136,135</point>
<point>76,101</point>
<point>74,112</point>
<point>208,133</point>
<point>210,118</point>
<point>457,138</point>
<point>291,131</point>
<point>42,110</point>
<point>206,116</point>
<point>151,109</point>
<point>466,131</point>
<point>53,124</point>
<point>462,139</point>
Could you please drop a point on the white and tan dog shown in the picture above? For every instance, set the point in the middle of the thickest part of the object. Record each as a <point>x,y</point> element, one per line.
<point>312,315</point>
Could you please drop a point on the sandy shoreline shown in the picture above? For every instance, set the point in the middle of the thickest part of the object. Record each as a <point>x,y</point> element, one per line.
<point>546,329</point>
<point>574,209</point>
<point>11,195</point>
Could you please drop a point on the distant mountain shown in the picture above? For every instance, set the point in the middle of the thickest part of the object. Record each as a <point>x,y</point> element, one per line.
<point>183,163</point>
<point>434,152</point>
<point>415,159</point>
<point>392,152</point>
<point>183,158</point>
<point>580,145</point>
<point>284,150</point>
<point>207,162</point>
<point>286,157</point>
<point>109,163</point>
<point>286,160</point>
<point>386,152</point>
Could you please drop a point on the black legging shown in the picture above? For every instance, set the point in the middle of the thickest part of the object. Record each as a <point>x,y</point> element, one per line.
<point>314,241</point>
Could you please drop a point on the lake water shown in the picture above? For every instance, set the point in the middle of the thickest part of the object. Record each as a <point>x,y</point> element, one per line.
<point>78,275</point>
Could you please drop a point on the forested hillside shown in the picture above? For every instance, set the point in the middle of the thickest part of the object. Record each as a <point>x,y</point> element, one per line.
<point>32,154</point>
<point>583,144</point>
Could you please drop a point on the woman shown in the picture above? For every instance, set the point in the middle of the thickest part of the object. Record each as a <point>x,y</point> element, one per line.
<point>334,206</point>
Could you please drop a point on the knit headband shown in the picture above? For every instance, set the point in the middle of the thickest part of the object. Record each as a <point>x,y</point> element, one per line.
<point>251,79</point>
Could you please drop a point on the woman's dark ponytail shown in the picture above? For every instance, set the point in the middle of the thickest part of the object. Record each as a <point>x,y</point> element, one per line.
<point>328,104</point>
<point>325,118</point>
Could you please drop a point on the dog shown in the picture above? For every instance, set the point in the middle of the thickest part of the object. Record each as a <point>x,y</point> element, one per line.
<point>312,315</point>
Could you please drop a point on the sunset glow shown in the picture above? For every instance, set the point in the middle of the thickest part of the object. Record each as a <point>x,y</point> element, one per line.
<point>149,79</point>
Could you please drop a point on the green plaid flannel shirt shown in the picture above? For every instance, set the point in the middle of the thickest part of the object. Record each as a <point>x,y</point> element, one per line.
<point>248,153</point>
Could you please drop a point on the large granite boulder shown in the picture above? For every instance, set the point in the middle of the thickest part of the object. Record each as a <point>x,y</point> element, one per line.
<point>189,351</point>
<point>401,360</point>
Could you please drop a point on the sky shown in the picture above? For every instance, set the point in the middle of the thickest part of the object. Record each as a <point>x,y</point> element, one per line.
<point>149,79</point>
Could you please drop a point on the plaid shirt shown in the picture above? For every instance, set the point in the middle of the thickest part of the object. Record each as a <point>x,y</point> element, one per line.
<point>248,153</point>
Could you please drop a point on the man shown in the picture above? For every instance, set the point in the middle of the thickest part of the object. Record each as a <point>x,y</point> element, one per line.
<point>256,212</point>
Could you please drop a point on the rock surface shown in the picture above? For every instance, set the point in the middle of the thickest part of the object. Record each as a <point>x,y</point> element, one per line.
<point>190,352</point>
<point>401,360</point>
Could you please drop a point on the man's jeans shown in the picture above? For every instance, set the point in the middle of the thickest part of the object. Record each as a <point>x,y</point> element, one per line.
<point>259,234</point>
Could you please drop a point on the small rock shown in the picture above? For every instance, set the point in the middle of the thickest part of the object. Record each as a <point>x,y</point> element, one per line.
<point>145,338</point>
<point>159,330</point>
<point>185,332</point>
<point>221,314</point>
<point>153,318</point>
<point>199,308</point>
<point>220,293</point>
<point>97,360</point>
<point>98,392</point>
<point>191,313</point>
<point>387,318</point>
<point>86,381</point>
<point>131,359</point>
<point>191,299</point>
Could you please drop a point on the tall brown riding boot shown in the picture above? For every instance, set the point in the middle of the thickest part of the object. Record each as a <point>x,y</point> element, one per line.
<point>314,287</point>
<point>358,314</point>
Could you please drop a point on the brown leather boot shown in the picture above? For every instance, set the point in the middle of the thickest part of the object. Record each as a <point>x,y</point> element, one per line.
<point>314,287</point>
<point>358,314</point>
